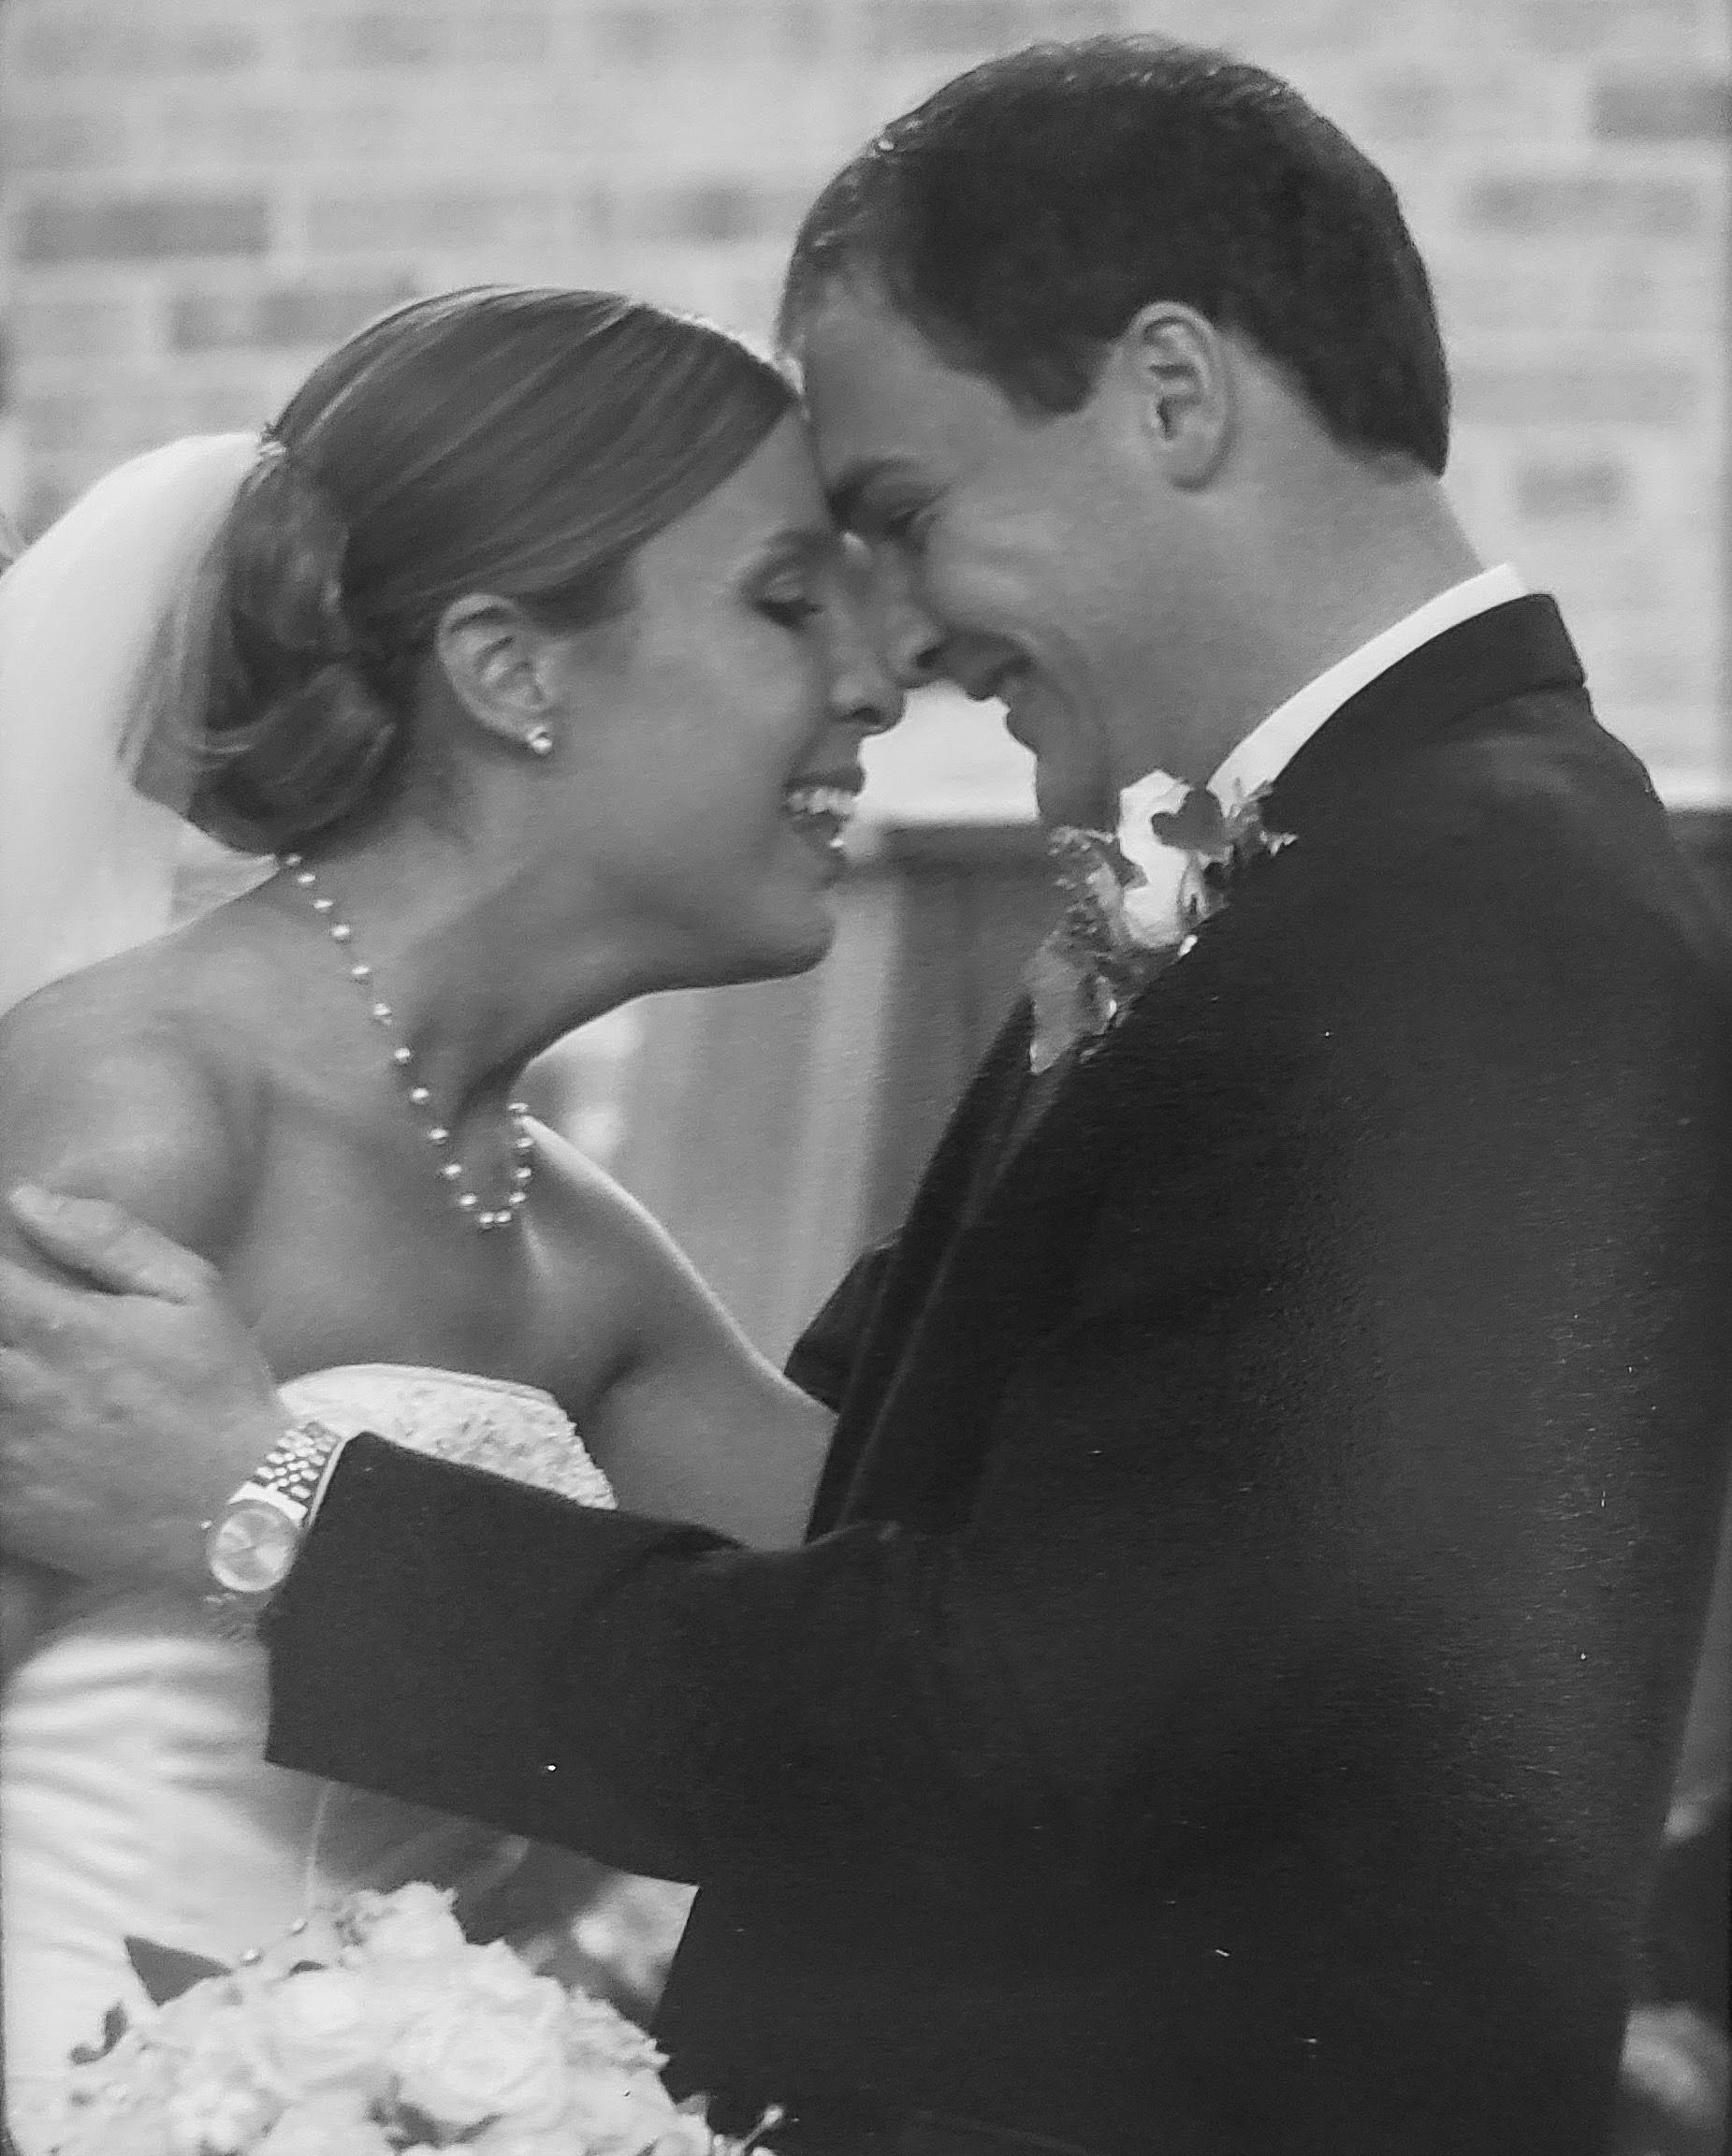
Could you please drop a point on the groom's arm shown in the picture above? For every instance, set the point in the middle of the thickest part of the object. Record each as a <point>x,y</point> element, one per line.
<point>1425,1405</point>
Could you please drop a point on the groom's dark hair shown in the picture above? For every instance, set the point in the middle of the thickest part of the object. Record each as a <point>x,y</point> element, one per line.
<point>1022,216</point>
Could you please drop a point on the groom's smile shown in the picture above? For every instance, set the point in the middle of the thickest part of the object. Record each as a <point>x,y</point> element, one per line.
<point>1010,549</point>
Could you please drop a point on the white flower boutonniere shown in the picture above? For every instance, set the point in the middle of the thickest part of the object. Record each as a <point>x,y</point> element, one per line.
<point>1136,900</point>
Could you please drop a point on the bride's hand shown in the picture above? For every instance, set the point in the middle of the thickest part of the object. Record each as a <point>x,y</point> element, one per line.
<point>132,1399</point>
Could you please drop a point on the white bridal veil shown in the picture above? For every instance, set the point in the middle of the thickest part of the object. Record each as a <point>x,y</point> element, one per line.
<point>98,623</point>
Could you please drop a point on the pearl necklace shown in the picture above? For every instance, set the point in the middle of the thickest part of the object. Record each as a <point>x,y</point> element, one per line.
<point>451,1172</point>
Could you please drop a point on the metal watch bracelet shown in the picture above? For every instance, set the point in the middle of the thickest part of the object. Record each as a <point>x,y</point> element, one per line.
<point>281,1492</point>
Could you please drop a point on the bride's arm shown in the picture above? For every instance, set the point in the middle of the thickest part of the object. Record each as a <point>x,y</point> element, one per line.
<point>694,1424</point>
<point>93,1108</point>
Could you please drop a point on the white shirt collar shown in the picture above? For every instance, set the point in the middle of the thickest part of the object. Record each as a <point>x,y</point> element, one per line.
<point>1271,746</point>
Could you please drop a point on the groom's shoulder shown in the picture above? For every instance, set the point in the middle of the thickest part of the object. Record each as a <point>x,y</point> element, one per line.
<point>1538,760</point>
<point>1527,810</point>
<point>1515,857</point>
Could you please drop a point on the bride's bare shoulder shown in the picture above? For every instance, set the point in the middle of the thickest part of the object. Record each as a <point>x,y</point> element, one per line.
<point>120,1082</point>
<point>585,1210</point>
<point>615,1248</point>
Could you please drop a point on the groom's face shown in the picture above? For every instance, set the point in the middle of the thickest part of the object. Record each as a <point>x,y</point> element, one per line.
<point>1018,555</point>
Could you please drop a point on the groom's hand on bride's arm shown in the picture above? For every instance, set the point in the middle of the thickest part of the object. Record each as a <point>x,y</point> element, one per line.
<point>132,1398</point>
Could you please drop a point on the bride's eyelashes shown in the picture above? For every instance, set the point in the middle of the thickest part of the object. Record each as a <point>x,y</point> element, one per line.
<point>792,610</point>
<point>788,585</point>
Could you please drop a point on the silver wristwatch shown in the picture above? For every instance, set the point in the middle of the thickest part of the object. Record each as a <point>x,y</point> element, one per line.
<point>255,1537</point>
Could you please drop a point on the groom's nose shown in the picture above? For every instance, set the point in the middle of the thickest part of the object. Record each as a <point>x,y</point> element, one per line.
<point>865,687</point>
<point>911,641</point>
<point>914,649</point>
<point>864,693</point>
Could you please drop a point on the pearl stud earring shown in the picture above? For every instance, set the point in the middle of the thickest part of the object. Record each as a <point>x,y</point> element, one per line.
<point>539,741</point>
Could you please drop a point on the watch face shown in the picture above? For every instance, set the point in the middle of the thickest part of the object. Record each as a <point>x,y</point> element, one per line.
<point>252,1547</point>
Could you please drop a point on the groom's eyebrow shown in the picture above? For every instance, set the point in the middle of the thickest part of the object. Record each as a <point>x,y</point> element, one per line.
<point>797,545</point>
<point>846,494</point>
<point>809,541</point>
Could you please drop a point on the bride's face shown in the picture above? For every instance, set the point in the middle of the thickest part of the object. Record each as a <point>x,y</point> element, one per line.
<point>703,722</point>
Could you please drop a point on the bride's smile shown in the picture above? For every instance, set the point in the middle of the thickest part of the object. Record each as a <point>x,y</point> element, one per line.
<point>820,811</point>
<point>708,739</point>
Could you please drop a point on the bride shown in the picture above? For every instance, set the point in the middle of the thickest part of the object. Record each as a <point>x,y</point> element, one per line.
<point>520,655</point>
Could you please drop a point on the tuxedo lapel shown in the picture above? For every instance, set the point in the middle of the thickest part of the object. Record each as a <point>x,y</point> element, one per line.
<point>943,1204</point>
<point>999,1280</point>
<point>984,1279</point>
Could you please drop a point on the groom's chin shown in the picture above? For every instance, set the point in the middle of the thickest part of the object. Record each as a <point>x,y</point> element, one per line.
<point>1059,805</point>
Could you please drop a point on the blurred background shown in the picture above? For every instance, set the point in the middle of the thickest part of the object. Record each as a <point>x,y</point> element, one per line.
<point>202,195</point>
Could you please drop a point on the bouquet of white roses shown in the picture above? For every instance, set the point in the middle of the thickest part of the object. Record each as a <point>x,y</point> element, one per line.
<point>378,2028</point>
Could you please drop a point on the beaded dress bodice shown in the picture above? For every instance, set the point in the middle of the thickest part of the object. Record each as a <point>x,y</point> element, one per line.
<point>513,1430</point>
<point>135,1797</point>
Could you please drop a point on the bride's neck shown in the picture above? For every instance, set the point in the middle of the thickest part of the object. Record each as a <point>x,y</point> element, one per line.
<point>479,974</point>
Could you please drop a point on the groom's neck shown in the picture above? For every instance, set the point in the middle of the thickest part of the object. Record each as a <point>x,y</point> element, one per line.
<point>1302,586</point>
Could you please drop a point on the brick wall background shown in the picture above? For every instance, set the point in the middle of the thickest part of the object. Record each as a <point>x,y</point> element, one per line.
<point>199,195</point>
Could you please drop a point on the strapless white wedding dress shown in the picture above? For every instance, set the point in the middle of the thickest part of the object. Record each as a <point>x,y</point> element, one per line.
<point>134,1799</point>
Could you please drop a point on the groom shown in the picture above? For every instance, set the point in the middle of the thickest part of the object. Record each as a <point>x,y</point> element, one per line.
<point>1227,1700</point>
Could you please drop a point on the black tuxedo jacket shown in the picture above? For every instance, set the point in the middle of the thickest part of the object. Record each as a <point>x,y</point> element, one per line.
<point>1228,1698</point>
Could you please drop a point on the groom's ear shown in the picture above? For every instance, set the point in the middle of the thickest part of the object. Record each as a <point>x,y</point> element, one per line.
<point>1174,366</point>
<point>497,663</point>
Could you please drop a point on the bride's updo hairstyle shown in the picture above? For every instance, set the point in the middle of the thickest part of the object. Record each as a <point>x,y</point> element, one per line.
<point>521,442</point>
